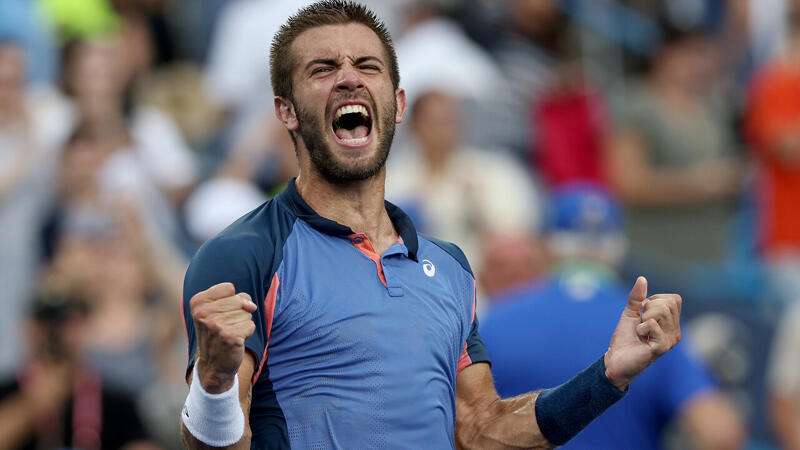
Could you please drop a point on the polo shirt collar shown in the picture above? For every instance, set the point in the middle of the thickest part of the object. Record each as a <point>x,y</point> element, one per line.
<point>402,223</point>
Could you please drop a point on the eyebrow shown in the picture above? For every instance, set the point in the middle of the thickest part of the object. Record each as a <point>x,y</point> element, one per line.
<point>363,59</point>
<point>323,61</point>
<point>335,63</point>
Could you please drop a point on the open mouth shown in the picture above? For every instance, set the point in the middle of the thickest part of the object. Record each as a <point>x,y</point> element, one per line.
<point>352,125</point>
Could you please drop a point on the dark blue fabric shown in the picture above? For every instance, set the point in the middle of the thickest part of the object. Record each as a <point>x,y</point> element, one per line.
<point>454,251</point>
<point>543,334</point>
<point>563,411</point>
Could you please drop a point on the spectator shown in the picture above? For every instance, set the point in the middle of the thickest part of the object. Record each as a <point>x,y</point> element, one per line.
<point>57,401</point>
<point>454,191</point>
<point>101,251</point>
<point>234,78</point>
<point>673,163</point>
<point>509,261</point>
<point>107,228</point>
<point>583,294</point>
<point>29,143</point>
<point>523,50</point>
<point>263,160</point>
<point>96,84</point>
<point>773,129</point>
<point>572,125</point>
<point>145,159</point>
<point>783,381</point>
<point>455,64</point>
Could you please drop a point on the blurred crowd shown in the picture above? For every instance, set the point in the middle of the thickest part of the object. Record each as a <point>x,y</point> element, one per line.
<point>567,146</point>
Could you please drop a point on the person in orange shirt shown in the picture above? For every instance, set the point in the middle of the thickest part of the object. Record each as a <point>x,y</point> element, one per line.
<point>772,126</point>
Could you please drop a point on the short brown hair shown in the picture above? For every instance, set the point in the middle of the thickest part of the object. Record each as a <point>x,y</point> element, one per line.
<point>325,12</point>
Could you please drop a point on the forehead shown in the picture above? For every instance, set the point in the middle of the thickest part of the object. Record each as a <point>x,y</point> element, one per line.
<point>337,42</point>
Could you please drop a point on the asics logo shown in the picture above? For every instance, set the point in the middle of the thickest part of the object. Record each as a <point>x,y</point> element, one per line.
<point>428,268</point>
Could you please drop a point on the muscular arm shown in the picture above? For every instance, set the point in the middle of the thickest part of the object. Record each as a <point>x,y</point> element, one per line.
<point>648,328</point>
<point>246,371</point>
<point>222,322</point>
<point>485,421</point>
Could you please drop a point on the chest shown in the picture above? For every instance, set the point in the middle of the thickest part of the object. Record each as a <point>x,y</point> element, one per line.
<point>334,313</point>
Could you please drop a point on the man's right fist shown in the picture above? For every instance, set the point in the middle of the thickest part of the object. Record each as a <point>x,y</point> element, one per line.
<point>222,321</point>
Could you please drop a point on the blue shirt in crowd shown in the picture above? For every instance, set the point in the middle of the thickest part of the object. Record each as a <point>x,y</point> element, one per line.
<point>540,335</point>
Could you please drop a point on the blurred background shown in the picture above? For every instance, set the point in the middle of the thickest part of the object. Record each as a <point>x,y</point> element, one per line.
<point>131,131</point>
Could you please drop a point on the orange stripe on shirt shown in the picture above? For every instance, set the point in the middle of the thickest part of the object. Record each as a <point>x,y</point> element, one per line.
<point>269,314</point>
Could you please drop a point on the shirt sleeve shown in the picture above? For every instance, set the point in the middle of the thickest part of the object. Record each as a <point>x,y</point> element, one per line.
<point>228,260</point>
<point>474,350</point>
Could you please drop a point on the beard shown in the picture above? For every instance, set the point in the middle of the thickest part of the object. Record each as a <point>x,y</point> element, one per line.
<point>313,133</point>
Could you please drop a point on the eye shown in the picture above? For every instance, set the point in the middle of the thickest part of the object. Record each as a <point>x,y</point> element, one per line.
<point>321,69</point>
<point>370,68</point>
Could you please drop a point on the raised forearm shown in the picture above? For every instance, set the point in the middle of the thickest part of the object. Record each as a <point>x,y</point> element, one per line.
<point>503,424</point>
<point>540,419</point>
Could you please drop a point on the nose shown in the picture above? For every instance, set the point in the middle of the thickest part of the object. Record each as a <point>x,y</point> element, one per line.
<point>349,80</point>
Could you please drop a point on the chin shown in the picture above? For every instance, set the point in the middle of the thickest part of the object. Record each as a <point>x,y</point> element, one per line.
<point>352,148</point>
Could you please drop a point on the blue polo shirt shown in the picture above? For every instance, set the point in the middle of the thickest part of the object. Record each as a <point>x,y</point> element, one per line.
<point>353,349</point>
<point>542,334</point>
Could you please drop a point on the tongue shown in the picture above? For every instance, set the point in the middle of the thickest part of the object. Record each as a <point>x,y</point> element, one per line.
<point>356,133</point>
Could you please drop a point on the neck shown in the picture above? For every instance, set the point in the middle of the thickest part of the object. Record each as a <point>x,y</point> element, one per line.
<point>358,205</point>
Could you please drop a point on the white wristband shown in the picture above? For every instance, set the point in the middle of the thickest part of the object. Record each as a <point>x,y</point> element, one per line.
<point>214,419</point>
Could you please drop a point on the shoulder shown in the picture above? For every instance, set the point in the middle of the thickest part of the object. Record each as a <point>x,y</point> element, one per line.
<point>253,231</point>
<point>261,228</point>
<point>450,249</point>
<point>250,246</point>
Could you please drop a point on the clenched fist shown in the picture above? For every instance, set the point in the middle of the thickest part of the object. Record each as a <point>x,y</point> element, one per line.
<point>648,328</point>
<point>222,320</point>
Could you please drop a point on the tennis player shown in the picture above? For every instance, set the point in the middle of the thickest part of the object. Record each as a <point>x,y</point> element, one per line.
<point>322,319</point>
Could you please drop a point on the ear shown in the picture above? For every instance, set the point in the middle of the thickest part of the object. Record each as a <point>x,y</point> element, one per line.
<point>284,109</point>
<point>400,96</point>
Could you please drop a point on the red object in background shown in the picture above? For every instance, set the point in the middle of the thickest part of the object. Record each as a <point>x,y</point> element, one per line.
<point>571,128</point>
<point>772,112</point>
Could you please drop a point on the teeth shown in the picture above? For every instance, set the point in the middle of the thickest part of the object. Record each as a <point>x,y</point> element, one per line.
<point>355,141</point>
<point>349,109</point>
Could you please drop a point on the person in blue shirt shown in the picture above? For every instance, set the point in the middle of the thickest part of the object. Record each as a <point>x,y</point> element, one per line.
<point>540,333</point>
<point>322,319</point>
